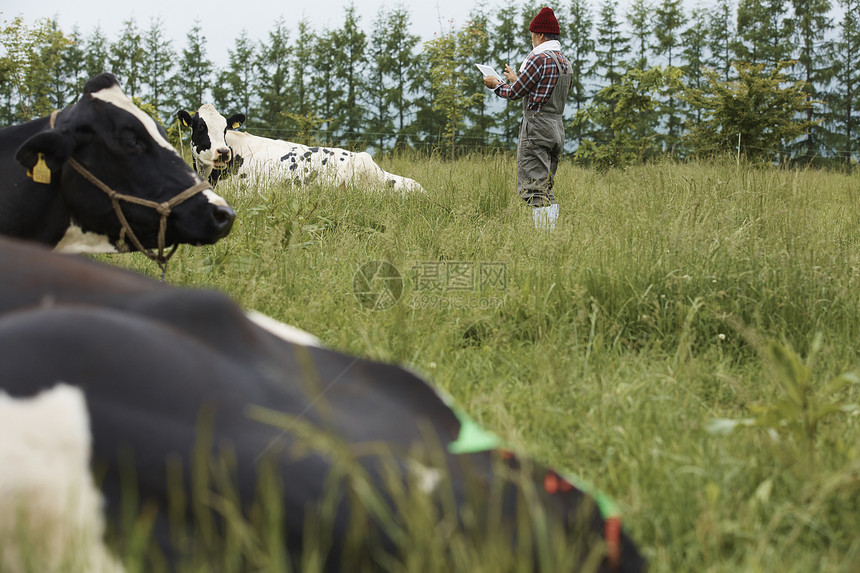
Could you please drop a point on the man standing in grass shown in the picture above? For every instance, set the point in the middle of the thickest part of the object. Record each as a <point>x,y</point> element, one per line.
<point>545,77</point>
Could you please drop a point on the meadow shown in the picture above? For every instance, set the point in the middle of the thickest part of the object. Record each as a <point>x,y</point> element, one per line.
<point>686,339</point>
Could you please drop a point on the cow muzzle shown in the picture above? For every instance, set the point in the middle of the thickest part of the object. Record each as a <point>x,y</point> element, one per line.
<point>221,157</point>
<point>222,217</point>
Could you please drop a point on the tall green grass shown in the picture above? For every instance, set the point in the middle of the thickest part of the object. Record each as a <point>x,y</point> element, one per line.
<point>615,340</point>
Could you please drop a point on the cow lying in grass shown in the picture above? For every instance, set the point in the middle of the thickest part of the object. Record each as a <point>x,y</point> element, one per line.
<point>100,176</point>
<point>201,408</point>
<point>217,148</point>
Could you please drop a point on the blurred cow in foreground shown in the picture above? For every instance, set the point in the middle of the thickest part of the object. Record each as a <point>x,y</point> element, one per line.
<point>187,397</point>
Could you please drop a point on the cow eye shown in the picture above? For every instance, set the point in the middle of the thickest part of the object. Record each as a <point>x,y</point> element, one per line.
<point>130,142</point>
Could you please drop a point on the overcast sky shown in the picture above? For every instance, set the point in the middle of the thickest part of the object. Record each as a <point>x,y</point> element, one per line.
<point>223,21</point>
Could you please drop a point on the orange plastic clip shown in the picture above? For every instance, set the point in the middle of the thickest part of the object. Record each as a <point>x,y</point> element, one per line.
<point>613,541</point>
<point>550,483</point>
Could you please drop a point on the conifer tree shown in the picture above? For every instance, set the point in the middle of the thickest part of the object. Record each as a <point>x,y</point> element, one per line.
<point>235,90</point>
<point>694,53</point>
<point>301,70</point>
<point>52,57</point>
<point>47,69</point>
<point>194,73</point>
<point>618,139</point>
<point>379,119</point>
<point>641,20</point>
<point>612,45</point>
<point>325,88</point>
<point>640,17</point>
<point>812,28</point>
<point>273,78</point>
<point>477,117</point>
<point>74,65</point>
<point>400,67</point>
<point>721,37</point>
<point>158,63</point>
<point>760,111</point>
<point>126,58</point>
<point>350,43</point>
<point>669,20</point>
<point>425,132</point>
<point>508,41</point>
<point>844,98</point>
<point>96,53</point>
<point>578,46</point>
<point>764,32</point>
<point>450,57</point>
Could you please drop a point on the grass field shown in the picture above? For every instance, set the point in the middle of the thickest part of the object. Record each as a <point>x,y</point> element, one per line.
<point>670,297</point>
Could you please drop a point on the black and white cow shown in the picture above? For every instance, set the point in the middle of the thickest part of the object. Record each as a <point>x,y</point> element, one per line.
<point>215,146</point>
<point>45,197</point>
<point>167,374</point>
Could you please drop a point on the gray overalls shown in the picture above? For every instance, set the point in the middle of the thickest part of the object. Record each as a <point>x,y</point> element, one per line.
<point>541,143</point>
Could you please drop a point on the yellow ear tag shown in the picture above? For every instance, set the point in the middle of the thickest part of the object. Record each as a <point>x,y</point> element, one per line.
<point>41,173</point>
<point>236,125</point>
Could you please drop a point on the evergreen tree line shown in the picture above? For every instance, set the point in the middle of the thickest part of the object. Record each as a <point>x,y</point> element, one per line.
<point>770,78</point>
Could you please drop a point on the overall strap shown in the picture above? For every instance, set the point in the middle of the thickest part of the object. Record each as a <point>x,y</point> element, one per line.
<point>554,105</point>
<point>558,97</point>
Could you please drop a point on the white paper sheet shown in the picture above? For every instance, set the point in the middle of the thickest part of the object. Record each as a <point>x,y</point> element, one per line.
<point>488,71</point>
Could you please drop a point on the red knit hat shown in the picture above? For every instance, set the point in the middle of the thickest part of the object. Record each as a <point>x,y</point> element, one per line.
<point>545,22</point>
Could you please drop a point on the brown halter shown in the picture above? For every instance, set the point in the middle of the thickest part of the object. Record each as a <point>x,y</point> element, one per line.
<point>163,210</point>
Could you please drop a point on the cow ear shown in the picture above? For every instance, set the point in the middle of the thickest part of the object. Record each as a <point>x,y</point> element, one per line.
<point>184,117</point>
<point>236,120</point>
<point>52,145</point>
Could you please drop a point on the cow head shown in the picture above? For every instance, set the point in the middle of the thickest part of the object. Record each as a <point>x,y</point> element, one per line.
<point>129,153</point>
<point>208,146</point>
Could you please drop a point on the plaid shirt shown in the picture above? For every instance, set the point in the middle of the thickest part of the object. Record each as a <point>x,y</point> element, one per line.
<point>537,80</point>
